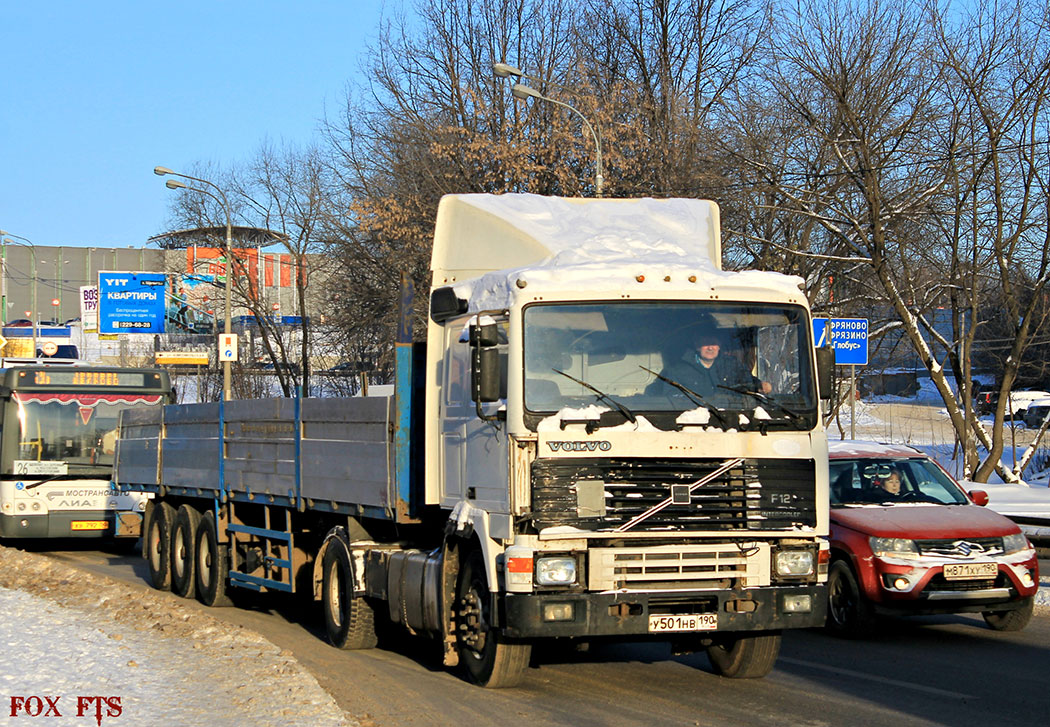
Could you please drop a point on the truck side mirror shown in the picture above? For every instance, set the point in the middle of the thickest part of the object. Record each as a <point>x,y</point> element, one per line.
<point>485,374</point>
<point>826,372</point>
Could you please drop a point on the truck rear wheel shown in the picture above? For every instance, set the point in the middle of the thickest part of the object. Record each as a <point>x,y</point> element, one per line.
<point>489,659</point>
<point>182,538</point>
<point>348,619</point>
<point>157,547</point>
<point>212,566</point>
<point>747,657</point>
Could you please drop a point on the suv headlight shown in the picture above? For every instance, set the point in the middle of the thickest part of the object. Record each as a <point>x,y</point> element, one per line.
<point>794,563</point>
<point>893,547</point>
<point>1015,543</point>
<point>556,571</point>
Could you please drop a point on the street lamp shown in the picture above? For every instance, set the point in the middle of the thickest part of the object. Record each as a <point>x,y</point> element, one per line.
<point>28,244</point>
<point>221,199</point>
<point>522,92</point>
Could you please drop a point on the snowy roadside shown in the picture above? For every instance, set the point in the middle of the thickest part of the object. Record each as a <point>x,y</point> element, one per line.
<point>72,642</point>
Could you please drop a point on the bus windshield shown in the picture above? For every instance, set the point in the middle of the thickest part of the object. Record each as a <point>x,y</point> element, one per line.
<point>65,433</point>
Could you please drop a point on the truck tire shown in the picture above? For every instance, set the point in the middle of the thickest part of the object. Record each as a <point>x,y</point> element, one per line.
<point>489,659</point>
<point>1010,620</point>
<point>849,613</point>
<point>348,619</point>
<point>158,545</point>
<point>183,536</point>
<point>746,657</point>
<point>212,564</point>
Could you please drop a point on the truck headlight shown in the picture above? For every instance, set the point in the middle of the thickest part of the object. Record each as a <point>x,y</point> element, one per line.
<point>794,563</point>
<point>559,571</point>
<point>893,547</point>
<point>1015,543</point>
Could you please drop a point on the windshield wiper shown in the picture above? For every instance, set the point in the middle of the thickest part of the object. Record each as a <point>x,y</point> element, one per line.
<point>44,481</point>
<point>762,398</point>
<point>694,396</point>
<point>602,396</point>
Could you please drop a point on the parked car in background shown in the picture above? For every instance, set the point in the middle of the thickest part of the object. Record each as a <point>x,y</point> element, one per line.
<point>1036,413</point>
<point>1017,405</point>
<point>907,539</point>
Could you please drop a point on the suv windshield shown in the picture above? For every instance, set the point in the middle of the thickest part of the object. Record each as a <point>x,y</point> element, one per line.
<point>673,362</point>
<point>891,481</point>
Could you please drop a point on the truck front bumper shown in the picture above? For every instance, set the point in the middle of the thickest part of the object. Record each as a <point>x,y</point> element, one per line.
<point>623,614</point>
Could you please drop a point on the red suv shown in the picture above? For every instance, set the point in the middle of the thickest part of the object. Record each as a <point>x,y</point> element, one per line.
<point>907,539</point>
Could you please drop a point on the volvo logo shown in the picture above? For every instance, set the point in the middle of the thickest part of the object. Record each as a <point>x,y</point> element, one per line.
<point>966,548</point>
<point>586,446</point>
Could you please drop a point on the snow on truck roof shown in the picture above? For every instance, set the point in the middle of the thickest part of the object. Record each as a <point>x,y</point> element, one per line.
<point>485,244</point>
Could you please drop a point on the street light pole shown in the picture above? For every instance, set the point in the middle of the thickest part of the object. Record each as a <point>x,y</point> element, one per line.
<point>227,389</point>
<point>522,92</point>
<point>28,244</point>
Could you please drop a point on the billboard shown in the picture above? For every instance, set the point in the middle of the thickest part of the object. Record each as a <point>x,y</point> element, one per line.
<point>131,302</point>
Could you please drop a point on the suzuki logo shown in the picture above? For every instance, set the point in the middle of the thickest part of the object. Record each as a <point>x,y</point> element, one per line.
<point>965,547</point>
<point>604,446</point>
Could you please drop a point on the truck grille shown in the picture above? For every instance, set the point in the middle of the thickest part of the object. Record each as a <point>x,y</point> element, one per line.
<point>681,567</point>
<point>610,493</point>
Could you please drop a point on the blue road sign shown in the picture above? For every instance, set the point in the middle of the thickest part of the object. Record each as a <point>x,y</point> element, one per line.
<point>848,336</point>
<point>131,302</point>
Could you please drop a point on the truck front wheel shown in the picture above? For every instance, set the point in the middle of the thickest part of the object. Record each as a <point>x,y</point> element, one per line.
<point>348,619</point>
<point>489,659</point>
<point>161,517</point>
<point>746,657</point>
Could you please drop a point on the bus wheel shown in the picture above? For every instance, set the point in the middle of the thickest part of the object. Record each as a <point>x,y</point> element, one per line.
<point>212,564</point>
<point>157,547</point>
<point>348,619</point>
<point>489,659</point>
<point>182,538</point>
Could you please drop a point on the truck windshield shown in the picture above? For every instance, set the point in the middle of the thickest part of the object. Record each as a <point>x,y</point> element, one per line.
<point>680,363</point>
<point>68,433</point>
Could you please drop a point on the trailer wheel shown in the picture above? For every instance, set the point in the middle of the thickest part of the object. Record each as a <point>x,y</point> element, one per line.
<point>212,566</point>
<point>158,545</point>
<point>348,619</point>
<point>747,657</point>
<point>182,539</point>
<point>489,659</point>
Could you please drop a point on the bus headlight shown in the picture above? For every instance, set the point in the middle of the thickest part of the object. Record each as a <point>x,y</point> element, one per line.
<point>794,563</point>
<point>556,571</point>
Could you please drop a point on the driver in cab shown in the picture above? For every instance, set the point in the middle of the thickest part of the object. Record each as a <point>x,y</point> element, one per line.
<point>704,370</point>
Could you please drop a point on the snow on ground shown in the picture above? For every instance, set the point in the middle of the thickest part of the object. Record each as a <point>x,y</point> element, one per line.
<point>67,636</point>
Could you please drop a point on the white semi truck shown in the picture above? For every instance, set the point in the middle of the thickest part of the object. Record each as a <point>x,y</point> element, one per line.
<point>545,469</point>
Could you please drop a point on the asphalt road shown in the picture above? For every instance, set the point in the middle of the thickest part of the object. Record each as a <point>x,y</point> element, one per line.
<point>931,671</point>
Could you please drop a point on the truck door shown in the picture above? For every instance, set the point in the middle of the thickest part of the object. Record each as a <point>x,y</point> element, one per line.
<point>473,451</point>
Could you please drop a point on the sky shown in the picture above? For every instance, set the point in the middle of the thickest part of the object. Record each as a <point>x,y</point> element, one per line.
<point>94,95</point>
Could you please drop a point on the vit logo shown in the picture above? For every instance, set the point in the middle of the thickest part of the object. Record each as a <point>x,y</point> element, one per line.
<point>603,445</point>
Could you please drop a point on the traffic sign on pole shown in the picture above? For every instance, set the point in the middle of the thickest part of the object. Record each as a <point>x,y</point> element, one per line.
<point>227,346</point>
<point>848,336</point>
